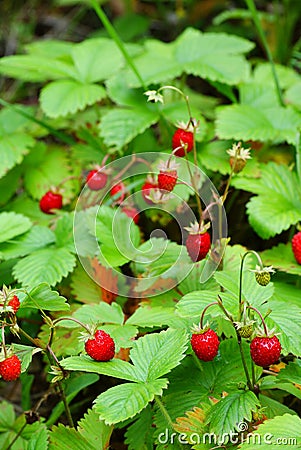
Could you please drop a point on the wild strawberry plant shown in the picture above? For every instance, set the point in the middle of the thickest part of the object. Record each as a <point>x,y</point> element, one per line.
<point>124,287</point>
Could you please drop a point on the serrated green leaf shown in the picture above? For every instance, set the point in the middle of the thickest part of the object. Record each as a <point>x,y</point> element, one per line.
<point>156,354</point>
<point>118,235</point>
<point>99,313</point>
<point>139,434</point>
<point>269,217</point>
<point>35,68</point>
<point>95,430</point>
<point>287,322</point>
<point>125,401</point>
<point>284,430</point>
<point>115,368</point>
<point>37,237</point>
<point>65,438</point>
<point>64,233</point>
<point>83,288</point>
<point>48,166</point>
<point>13,147</point>
<point>278,204</point>
<point>146,316</point>
<point>7,416</point>
<point>119,126</point>
<point>12,225</point>
<point>31,269</point>
<point>292,372</point>
<point>25,354</point>
<point>39,439</point>
<point>49,48</point>
<point>282,258</point>
<point>89,57</point>
<point>63,97</point>
<point>245,122</point>
<point>273,408</point>
<point>192,304</point>
<point>43,297</point>
<point>226,415</point>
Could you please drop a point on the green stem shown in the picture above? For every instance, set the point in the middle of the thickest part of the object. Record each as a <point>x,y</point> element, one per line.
<point>112,32</point>
<point>16,436</point>
<point>250,386</point>
<point>298,156</point>
<point>3,341</point>
<point>167,417</point>
<point>252,8</point>
<point>56,321</point>
<point>262,319</point>
<point>240,303</point>
<point>204,311</point>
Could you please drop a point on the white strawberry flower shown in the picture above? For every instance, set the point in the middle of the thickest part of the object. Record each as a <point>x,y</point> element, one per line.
<point>154,96</point>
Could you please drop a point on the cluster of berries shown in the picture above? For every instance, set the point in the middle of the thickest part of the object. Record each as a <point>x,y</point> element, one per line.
<point>10,364</point>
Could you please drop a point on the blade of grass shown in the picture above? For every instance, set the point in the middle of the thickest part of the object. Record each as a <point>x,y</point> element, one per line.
<point>114,35</point>
<point>252,8</point>
<point>59,134</point>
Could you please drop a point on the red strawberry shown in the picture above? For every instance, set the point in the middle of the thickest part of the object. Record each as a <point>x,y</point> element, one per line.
<point>167,179</point>
<point>198,242</point>
<point>14,303</point>
<point>131,212</point>
<point>296,247</point>
<point>101,347</point>
<point>182,140</point>
<point>118,188</point>
<point>265,350</point>
<point>10,368</point>
<point>147,189</point>
<point>205,344</point>
<point>50,201</point>
<point>96,180</point>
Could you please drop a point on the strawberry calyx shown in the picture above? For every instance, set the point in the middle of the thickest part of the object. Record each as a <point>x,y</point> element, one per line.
<point>198,228</point>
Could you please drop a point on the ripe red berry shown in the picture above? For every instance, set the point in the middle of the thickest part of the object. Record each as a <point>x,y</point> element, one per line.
<point>167,179</point>
<point>131,212</point>
<point>14,303</point>
<point>182,139</point>
<point>205,345</point>
<point>147,189</point>
<point>10,368</point>
<point>119,188</point>
<point>198,245</point>
<point>50,201</point>
<point>101,347</point>
<point>96,180</point>
<point>296,247</point>
<point>265,350</point>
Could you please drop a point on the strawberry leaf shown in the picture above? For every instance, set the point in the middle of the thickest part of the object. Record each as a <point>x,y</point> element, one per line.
<point>231,411</point>
<point>284,429</point>
<point>63,97</point>
<point>65,438</point>
<point>12,225</point>
<point>156,354</point>
<point>282,258</point>
<point>45,265</point>
<point>278,204</point>
<point>37,237</point>
<point>43,297</point>
<point>95,430</point>
<point>126,400</point>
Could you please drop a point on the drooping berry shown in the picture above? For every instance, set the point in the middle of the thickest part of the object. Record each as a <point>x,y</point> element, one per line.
<point>51,201</point>
<point>96,180</point>
<point>263,274</point>
<point>118,190</point>
<point>101,347</point>
<point>131,212</point>
<point>265,350</point>
<point>182,140</point>
<point>147,189</point>
<point>205,344</point>
<point>198,242</point>
<point>296,247</point>
<point>14,303</point>
<point>10,368</point>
